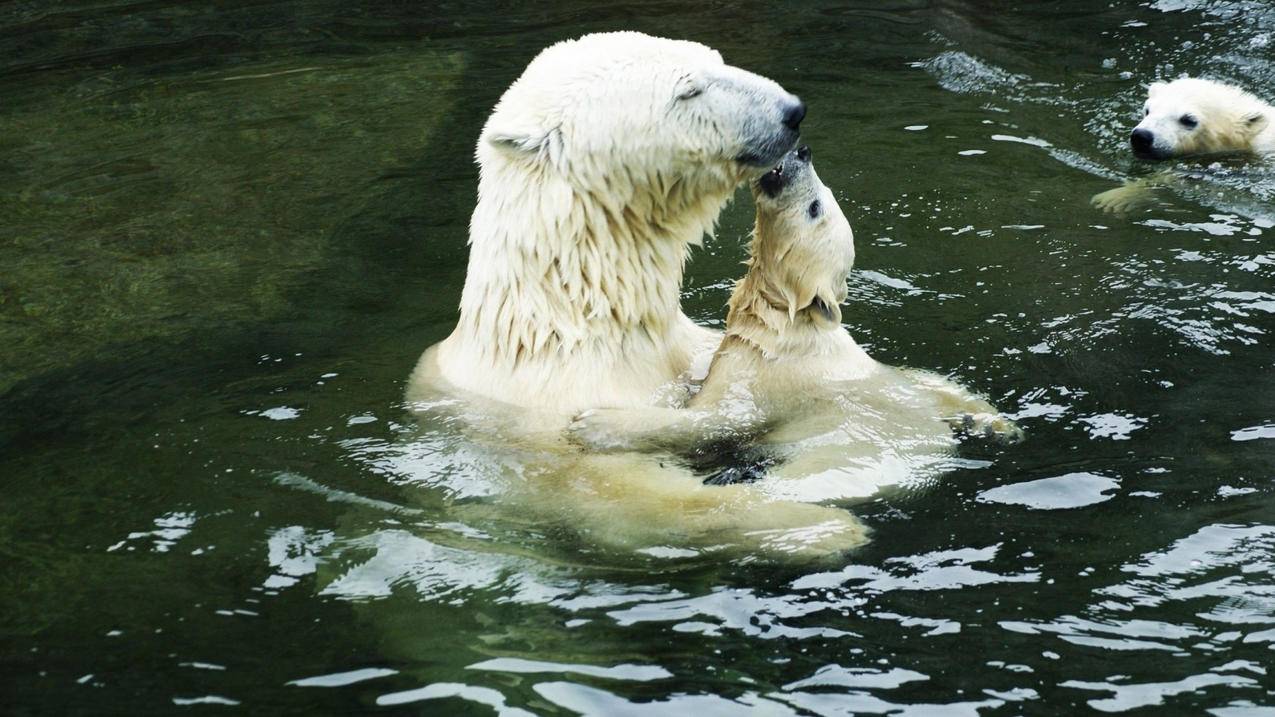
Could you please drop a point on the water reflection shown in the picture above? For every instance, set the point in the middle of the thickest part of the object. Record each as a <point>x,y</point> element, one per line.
<point>1124,616</point>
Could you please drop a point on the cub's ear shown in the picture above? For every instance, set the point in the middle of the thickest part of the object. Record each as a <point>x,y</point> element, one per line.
<point>827,308</point>
<point>820,304</point>
<point>530,143</point>
<point>809,294</point>
<point>1255,122</point>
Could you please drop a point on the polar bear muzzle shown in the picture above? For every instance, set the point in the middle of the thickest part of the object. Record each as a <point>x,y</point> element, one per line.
<point>792,168</point>
<point>766,145</point>
<point>1144,145</point>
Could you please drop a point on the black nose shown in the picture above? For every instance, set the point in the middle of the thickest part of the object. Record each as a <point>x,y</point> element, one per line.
<point>1141,139</point>
<point>794,114</point>
<point>803,153</point>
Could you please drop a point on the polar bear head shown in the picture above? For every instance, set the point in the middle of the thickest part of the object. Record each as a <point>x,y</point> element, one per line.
<point>1195,116</point>
<point>803,247</point>
<point>628,114</point>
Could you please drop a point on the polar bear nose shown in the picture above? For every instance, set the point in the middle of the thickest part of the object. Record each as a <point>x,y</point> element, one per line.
<point>794,114</point>
<point>1142,139</point>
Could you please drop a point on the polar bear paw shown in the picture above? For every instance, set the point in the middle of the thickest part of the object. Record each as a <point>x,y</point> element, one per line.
<point>1123,199</point>
<point>602,429</point>
<point>993,426</point>
<point>834,535</point>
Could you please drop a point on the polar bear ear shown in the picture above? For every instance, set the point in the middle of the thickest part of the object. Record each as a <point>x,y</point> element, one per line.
<point>828,308</point>
<point>528,143</point>
<point>808,290</point>
<point>1255,122</point>
<point>819,303</point>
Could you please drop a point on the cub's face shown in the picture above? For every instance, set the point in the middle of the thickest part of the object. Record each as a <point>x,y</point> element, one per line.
<point>1194,116</point>
<point>803,241</point>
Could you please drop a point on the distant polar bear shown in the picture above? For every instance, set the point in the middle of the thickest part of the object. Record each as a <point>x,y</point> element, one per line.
<point>788,379</point>
<point>1197,116</point>
<point>1189,117</point>
<point>600,166</point>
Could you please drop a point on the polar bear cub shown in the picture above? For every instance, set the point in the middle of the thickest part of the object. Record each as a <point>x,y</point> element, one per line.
<point>1196,116</point>
<point>789,378</point>
<point>1185,117</point>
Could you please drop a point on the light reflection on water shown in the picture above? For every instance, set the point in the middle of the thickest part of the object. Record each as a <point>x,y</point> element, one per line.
<point>217,497</point>
<point>1223,573</point>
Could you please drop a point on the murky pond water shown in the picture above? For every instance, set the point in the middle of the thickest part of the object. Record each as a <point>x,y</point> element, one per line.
<point>229,230</point>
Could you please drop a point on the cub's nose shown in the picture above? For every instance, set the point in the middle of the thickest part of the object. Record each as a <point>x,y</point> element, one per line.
<point>803,153</point>
<point>1142,139</point>
<point>794,114</point>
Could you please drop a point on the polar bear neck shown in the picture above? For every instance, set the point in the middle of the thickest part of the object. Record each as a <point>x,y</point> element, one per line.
<point>557,270</point>
<point>758,317</point>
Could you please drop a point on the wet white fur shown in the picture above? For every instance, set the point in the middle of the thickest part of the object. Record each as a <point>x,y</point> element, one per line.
<point>601,165</point>
<point>1230,119</point>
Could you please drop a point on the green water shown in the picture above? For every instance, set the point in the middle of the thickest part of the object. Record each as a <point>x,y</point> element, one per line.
<point>228,230</point>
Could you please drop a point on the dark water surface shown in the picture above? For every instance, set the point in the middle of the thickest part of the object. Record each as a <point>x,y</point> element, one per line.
<point>227,230</point>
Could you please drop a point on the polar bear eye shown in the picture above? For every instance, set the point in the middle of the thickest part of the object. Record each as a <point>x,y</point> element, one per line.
<point>689,92</point>
<point>813,209</point>
<point>1188,121</point>
<point>1146,111</point>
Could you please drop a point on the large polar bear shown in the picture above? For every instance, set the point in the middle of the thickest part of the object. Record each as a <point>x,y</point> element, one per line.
<point>791,383</point>
<point>1191,116</point>
<point>601,165</point>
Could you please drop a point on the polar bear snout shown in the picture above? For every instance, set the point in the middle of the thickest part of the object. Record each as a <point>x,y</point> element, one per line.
<point>1144,145</point>
<point>766,146</point>
<point>771,115</point>
<point>794,114</point>
<point>773,183</point>
<point>1142,140</point>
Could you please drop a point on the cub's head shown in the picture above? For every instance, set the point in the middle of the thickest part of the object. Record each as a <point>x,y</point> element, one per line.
<point>1195,116</point>
<point>803,246</point>
<point>626,114</point>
